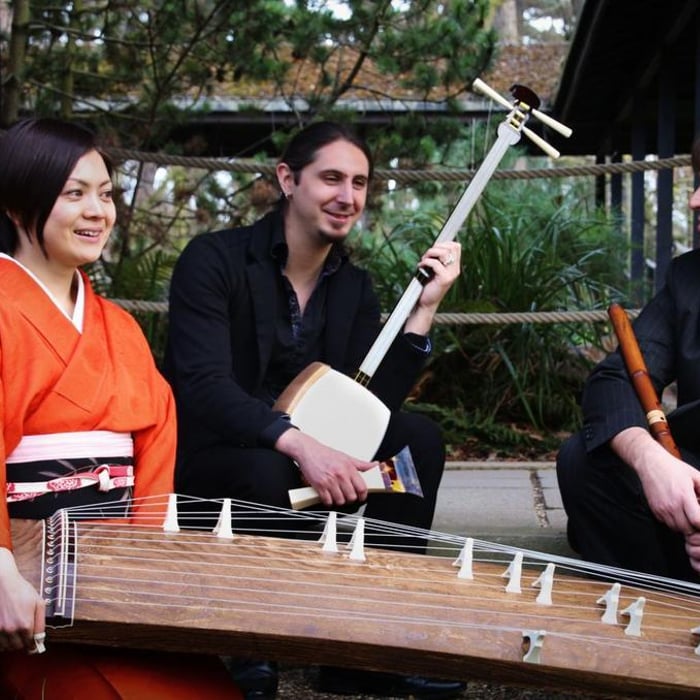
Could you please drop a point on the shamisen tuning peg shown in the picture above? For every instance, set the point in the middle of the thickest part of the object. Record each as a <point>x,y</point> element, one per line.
<point>525,103</point>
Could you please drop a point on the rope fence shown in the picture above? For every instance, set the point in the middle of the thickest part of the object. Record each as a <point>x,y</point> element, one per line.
<point>437,174</point>
<point>446,318</point>
<point>430,174</point>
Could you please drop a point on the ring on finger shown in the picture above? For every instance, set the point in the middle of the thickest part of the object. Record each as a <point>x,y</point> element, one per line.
<point>448,260</point>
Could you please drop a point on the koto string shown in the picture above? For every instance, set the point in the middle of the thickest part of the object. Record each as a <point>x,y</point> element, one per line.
<point>245,564</point>
<point>444,542</point>
<point>411,614</point>
<point>456,542</point>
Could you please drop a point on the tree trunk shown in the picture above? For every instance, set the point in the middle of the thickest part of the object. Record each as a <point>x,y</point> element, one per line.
<point>12,82</point>
<point>506,22</point>
<point>67,96</point>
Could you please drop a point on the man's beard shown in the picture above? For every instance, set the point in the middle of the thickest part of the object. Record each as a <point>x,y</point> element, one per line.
<point>326,237</point>
<point>330,238</point>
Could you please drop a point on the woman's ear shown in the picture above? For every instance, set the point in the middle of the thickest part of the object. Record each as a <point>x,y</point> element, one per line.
<point>13,218</point>
<point>16,223</point>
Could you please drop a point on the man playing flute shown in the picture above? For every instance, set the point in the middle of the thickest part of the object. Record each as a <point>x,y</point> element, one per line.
<point>629,501</point>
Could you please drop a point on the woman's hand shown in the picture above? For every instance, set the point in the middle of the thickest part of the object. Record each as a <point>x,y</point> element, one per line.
<point>692,547</point>
<point>22,610</point>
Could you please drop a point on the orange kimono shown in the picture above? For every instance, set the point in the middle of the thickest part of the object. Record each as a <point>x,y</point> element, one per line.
<point>54,379</point>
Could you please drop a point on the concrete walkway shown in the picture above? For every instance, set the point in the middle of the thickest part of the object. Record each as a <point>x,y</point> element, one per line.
<point>514,503</point>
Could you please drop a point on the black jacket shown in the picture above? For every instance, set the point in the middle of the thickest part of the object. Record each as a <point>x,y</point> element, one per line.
<point>668,331</point>
<point>221,327</point>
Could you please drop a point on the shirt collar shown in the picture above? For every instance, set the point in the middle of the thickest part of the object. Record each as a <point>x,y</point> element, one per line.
<point>279,252</point>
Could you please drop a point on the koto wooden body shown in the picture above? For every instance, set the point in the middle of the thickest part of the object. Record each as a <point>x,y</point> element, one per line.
<point>286,599</point>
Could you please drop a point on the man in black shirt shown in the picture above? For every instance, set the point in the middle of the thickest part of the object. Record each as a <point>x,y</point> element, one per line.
<point>252,307</point>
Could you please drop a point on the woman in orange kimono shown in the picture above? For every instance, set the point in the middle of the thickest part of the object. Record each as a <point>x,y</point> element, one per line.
<point>78,389</point>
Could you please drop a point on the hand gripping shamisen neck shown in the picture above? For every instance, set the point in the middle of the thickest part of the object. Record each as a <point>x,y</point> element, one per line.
<point>338,410</point>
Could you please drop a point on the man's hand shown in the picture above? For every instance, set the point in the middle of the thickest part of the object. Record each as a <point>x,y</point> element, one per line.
<point>335,475</point>
<point>443,260</point>
<point>671,487</point>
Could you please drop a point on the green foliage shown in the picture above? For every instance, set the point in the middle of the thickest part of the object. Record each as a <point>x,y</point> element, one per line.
<point>137,70</point>
<point>124,64</point>
<point>144,277</point>
<point>470,432</point>
<point>527,246</point>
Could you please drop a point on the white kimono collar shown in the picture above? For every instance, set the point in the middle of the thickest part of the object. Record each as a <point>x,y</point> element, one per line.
<point>79,311</point>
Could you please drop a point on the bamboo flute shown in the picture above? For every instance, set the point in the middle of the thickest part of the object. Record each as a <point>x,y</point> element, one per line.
<point>639,376</point>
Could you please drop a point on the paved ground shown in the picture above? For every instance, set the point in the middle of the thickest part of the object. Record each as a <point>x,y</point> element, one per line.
<point>298,683</point>
<point>516,503</point>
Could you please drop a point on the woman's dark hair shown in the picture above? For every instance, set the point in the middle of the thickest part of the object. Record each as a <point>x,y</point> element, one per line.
<point>305,144</point>
<point>36,158</point>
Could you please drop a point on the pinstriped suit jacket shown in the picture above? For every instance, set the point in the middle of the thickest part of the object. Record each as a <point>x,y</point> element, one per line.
<point>668,331</point>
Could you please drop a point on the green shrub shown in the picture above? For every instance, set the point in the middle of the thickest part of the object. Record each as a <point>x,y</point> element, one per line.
<point>527,246</point>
